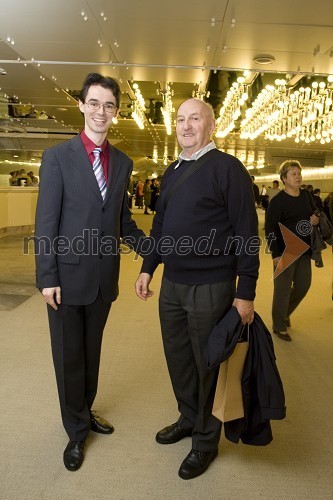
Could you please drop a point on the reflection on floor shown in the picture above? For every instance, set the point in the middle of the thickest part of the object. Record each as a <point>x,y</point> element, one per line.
<point>17,271</point>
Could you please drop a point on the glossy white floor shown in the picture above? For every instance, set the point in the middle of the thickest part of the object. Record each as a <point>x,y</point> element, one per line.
<point>136,396</point>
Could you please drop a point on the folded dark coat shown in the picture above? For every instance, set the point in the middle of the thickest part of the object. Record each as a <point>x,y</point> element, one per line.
<point>223,338</point>
<point>262,388</point>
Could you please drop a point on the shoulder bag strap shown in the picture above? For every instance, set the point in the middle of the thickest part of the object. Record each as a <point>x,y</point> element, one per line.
<point>311,200</point>
<point>189,171</point>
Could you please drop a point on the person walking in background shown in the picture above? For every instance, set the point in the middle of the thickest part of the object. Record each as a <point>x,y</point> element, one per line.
<point>328,206</point>
<point>82,201</point>
<point>139,194</point>
<point>273,191</point>
<point>200,270</point>
<point>263,194</point>
<point>255,191</point>
<point>147,195</point>
<point>155,191</point>
<point>13,178</point>
<point>317,199</point>
<point>33,180</point>
<point>290,207</point>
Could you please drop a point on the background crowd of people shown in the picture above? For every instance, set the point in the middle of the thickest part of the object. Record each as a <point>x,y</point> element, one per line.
<point>263,196</point>
<point>22,178</point>
<point>145,194</point>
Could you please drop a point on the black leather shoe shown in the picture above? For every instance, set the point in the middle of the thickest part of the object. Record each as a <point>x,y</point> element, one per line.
<point>172,434</point>
<point>196,463</point>
<point>283,335</point>
<point>73,455</point>
<point>99,424</point>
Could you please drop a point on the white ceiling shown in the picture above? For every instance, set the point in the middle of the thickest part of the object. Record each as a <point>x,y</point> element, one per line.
<point>151,43</point>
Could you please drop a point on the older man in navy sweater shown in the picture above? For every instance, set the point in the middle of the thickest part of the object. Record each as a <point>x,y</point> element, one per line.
<point>206,236</point>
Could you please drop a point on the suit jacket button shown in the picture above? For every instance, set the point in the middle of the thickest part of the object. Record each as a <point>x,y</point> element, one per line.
<point>100,256</point>
<point>103,210</point>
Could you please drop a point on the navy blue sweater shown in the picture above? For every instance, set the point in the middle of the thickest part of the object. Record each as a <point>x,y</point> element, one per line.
<point>209,230</point>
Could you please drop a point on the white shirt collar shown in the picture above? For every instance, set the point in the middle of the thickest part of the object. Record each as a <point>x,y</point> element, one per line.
<point>197,154</point>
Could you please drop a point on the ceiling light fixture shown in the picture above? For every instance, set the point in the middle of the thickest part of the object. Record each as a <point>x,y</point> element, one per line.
<point>138,107</point>
<point>232,107</point>
<point>167,109</point>
<point>155,154</point>
<point>278,113</point>
<point>264,59</point>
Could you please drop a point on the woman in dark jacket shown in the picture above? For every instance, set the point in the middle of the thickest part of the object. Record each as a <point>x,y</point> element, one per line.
<point>289,211</point>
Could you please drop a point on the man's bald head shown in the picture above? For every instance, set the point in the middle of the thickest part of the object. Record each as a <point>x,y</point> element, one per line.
<point>195,125</point>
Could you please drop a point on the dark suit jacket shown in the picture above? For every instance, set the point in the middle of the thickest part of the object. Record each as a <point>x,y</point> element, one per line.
<point>77,233</point>
<point>262,389</point>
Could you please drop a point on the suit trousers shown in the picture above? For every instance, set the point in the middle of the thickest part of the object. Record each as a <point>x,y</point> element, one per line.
<point>290,288</point>
<point>188,314</point>
<point>76,339</point>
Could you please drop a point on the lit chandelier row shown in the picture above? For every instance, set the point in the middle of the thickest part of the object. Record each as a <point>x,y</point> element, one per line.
<point>279,113</point>
<point>167,109</point>
<point>232,107</point>
<point>139,107</point>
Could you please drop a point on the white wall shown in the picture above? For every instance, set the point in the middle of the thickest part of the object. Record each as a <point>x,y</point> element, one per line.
<point>17,207</point>
<point>4,180</point>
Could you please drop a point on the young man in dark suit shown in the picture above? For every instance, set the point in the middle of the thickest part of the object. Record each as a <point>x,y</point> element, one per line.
<point>82,213</point>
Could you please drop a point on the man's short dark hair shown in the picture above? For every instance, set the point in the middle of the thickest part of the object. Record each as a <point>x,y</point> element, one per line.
<point>104,81</point>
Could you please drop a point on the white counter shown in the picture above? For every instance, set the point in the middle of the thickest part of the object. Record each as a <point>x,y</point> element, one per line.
<point>17,209</point>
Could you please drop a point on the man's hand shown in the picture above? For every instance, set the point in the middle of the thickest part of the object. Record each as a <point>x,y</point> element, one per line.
<point>245,309</point>
<point>50,294</point>
<point>142,286</point>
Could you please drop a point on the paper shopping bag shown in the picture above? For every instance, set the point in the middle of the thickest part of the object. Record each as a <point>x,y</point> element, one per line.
<point>228,401</point>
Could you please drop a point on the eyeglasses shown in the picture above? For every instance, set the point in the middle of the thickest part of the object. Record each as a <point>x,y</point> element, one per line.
<point>108,107</point>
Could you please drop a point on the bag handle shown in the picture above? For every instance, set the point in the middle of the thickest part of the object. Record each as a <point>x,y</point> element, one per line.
<point>311,200</point>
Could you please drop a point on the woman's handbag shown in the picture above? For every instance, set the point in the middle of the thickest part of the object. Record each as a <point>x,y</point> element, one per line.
<point>325,225</point>
<point>228,402</point>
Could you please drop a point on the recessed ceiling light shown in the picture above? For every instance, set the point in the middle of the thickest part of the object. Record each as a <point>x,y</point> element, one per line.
<point>264,59</point>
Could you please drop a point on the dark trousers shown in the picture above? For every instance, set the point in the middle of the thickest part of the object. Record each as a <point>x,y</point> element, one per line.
<point>187,315</point>
<point>290,288</point>
<point>76,339</point>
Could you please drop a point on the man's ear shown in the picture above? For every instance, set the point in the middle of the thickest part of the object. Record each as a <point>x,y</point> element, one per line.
<point>212,127</point>
<point>81,106</point>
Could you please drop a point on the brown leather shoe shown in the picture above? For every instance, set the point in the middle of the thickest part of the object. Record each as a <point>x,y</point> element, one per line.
<point>73,455</point>
<point>172,434</point>
<point>99,424</point>
<point>283,335</point>
<point>196,463</point>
